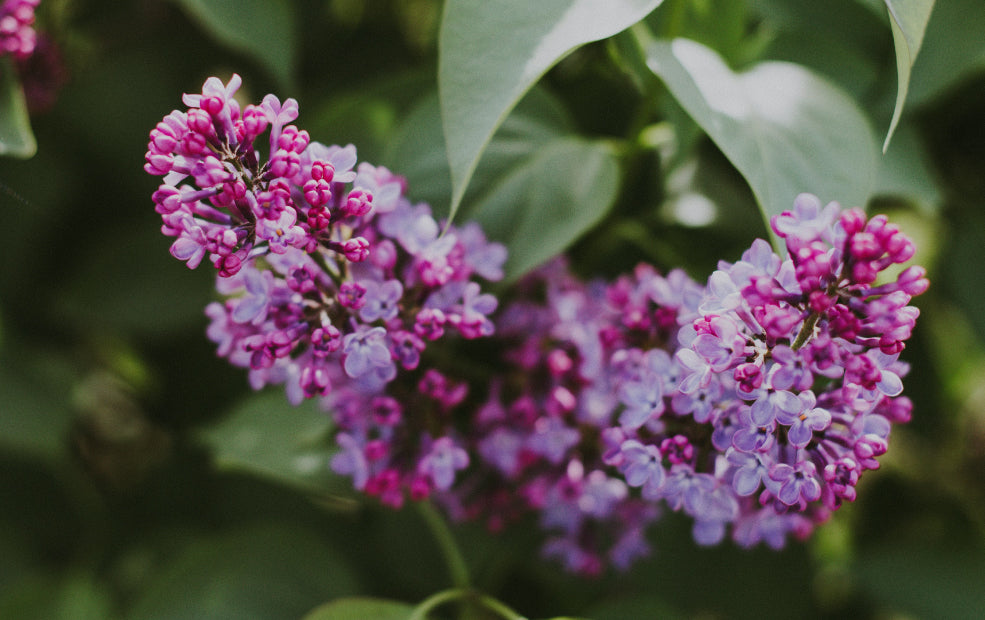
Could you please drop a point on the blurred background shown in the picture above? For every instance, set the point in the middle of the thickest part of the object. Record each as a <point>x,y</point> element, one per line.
<point>140,477</point>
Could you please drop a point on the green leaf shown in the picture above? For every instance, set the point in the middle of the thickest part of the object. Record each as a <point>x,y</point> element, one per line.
<point>925,581</point>
<point>492,52</point>
<point>786,129</point>
<point>262,572</point>
<point>541,208</point>
<point>537,188</point>
<point>35,390</point>
<point>74,597</point>
<point>903,172</point>
<point>954,49</point>
<point>356,608</point>
<point>262,29</point>
<point>16,137</point>
<point>267,436</point>
<point>126,280</point>
<point>909,21</point>
<point>417,148</point>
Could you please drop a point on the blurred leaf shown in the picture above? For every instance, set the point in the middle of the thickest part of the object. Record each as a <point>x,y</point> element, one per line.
<point>541,208</point>
<point>903,172</point>
<point>261,572</point>
<point>786,129</point>
<point>631,607</point>
<point>128,281</point>
<point>481,75</point>
<point>909,21</point>
<point>931,582</point>
<point>962,256</point>
<point>369,114</point>
<point>16,137</point>
<point>953,48</point>
<point>267,436</point>
<point>417,151</point>
<point>34,402</point>
<point>74,597</point>
<point>263,29</point>
<point>537,189</point>
<point>840,39</point>
<point>357,608</point>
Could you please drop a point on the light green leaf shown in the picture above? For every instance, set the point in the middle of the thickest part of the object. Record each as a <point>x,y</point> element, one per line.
<point>541,208</point>
<point>492,51</point>
<point>356,608</point>
<point>267,436</point>
<point>263,572</point>
<point>785,128</point>
<point>16,137</point>
<point>263,29</point>
<point>909,21</point>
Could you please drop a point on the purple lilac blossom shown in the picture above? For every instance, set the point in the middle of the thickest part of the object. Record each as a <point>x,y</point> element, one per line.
<point>334,283</point>
<point>753,404</point>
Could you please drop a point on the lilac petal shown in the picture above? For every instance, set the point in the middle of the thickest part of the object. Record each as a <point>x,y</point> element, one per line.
<point>799,434</point>
<point>890,384</point>
<point>746,480</point>
<point>249,308</point>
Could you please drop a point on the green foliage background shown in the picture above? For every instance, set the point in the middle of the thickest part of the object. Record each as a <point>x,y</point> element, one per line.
<point>141,478</point>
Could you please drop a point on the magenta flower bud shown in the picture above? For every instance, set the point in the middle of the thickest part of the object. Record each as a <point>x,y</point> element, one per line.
<point>853,221</point>
<point>356,250</point>
<point>357,203</point>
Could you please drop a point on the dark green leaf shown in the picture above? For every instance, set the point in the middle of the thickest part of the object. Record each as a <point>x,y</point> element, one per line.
<point>903,172</point>
<point>128,281</point>
<point>536,190</point>
<point>35,390</point>
<point>266,435</point>
<point>786,129</point>
<point>417,149</point>
<point>358,608</point>
<point>75,597</point>
<point>953,49</point>
<point>541,208</point>
<point>16,138</point>
<point>492,52</point>
<point>262,572</point>
<point>926,582</point>
<point>263,29</point>
<point>909,21</point>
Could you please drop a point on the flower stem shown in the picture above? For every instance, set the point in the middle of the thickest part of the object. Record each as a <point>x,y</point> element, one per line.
<point>454,559</point>
<point>806,331</point>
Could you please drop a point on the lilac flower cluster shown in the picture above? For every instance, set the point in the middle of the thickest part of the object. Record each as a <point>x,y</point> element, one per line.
<point>752,404</point>
<point>17,36</point>
<point>334,282</point>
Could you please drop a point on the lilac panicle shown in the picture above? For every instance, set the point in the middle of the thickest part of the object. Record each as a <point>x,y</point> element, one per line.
<point>333,283</point>
<point>752,404</point>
